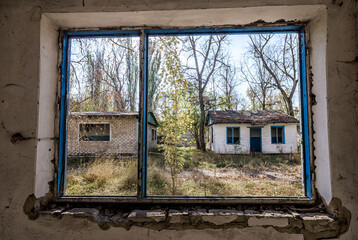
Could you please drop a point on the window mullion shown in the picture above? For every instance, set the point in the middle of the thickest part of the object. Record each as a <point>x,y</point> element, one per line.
<point>142,133</point>
<point>277,135</point>
<point>232,135</point>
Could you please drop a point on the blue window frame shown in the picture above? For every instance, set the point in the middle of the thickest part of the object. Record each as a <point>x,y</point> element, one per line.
<point>278,134</point>
<point>145,33</point>
<point>233,135</point>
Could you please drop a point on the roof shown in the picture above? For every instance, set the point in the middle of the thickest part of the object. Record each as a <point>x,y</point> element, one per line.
<point>255,117</point>
<point>101,114</point>
<point>151,118</point>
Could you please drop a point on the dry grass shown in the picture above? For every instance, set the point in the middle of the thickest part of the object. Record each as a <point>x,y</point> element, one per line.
<point>103,177</point>
<point>203,175</point>
<point>197,183</point>
<point>211,174</point>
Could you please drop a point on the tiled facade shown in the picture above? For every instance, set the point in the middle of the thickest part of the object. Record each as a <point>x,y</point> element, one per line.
<point>123,137</point>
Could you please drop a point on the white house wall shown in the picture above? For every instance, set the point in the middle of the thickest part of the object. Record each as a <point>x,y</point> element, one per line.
<point>220,143</point>
<point>290,145</point>
<point>151,143</point>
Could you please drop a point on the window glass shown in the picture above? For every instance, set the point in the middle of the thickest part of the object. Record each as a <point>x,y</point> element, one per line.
<point>154,134</point>
<point>277,135</point>
<point>245,84</point>
<point>102,118</point>
<point>274,134</point>
<point>235,83</point>
<point>94,132</point>
<point>236,136</point>
<point>212,134</point>
<point>233,135</point>
<point>229,136</point>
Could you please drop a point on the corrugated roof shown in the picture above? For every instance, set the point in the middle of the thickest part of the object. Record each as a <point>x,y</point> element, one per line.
<point>255,117</point>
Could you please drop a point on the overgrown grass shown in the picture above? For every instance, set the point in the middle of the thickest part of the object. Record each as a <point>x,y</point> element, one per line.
<point>211,174</point>
<point>203,174</point>
<point>103,177</point>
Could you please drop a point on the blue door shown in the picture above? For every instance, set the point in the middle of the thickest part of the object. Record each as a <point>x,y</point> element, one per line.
<point>255,139</point>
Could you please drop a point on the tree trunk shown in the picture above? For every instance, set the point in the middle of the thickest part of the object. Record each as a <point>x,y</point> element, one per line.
<point>290,107</point>
<point>196,137</point>
<point>173,185</point>
<point>202,122</point>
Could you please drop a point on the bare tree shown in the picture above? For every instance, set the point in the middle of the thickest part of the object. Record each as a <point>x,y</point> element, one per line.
<point>105,74</point>
<point>227,83</point>
<point>206,53</point>
<point>154,80</point>
<point>260,83</point>
<point>280,60</point>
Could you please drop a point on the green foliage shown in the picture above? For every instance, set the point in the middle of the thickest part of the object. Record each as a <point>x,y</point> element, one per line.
<point>174,104</point>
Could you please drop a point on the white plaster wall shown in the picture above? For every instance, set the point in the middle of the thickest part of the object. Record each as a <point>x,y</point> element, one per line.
<point>290,145</point>
<point>342,105</point>
<point>20,29</point>
<point>46,145</point>
<point>220,145</point>
<point>317,36</point>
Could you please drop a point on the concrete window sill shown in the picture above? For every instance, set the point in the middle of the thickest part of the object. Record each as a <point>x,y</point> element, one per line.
<point>313,224</point>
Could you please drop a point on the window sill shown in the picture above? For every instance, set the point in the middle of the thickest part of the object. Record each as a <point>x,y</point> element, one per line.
<point>187,200</point>
<point>317,224</point>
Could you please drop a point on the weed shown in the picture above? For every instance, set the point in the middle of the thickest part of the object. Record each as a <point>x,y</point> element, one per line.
<point>204,174</point>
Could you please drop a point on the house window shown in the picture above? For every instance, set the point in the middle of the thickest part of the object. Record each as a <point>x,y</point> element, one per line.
<point>154,134</point>
<point>94,132</point>
<point>186,75</point>
<point>233,135</point>
<point>212,134</point>
<point>278,134</point>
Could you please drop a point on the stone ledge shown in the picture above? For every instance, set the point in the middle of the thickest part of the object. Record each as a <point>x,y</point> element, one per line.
<point>223,216</point>
<point>147,216</point>
<point>317,224</point>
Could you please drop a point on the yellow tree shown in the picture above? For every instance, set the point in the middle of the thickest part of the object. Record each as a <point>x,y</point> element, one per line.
<point>174,105</point>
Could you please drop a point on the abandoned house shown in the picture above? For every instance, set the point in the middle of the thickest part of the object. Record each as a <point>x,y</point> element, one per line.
<point>107,133</point>
<point>32,104</point>
<point>235,131</point>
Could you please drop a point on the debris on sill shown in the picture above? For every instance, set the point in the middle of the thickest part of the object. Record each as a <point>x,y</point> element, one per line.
<point>311,225</point>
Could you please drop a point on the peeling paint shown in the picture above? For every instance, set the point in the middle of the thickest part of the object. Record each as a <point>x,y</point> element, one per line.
<point>19,66</point>
<point>311,225</point>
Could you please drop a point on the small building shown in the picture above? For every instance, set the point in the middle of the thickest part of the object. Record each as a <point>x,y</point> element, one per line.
<point>107,133</point>
<point>242,131</point>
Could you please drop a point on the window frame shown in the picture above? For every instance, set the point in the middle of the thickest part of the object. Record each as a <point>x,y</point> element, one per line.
<point>144,34</point>
<point>283,134</point>
<point>154,134</point>
<point>93,123</point>
<point>232,135</point>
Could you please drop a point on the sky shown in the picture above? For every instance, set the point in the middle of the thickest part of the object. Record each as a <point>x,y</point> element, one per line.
<point>238,46</point>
